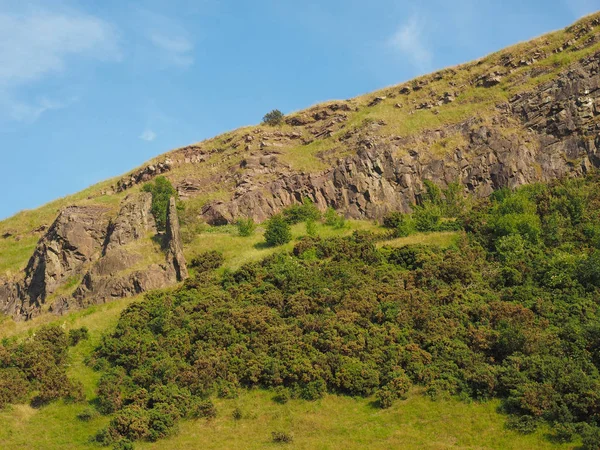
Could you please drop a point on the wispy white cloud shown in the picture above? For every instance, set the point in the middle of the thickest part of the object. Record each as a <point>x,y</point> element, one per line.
<point>408,39</point>
<point>148,135</point>
<point>175,49</point>
<point>29,112</point>
<point>36,45</point>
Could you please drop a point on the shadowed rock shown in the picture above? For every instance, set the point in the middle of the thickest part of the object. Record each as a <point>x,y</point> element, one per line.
<point>174,246</point>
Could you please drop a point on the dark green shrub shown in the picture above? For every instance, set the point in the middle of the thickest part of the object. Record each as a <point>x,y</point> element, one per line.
<point>299,213</point>
<point>132,422</point>
<point>523,424</point>
<point>237,414</point>
<point>281,437</point>
<point>123,444</point>
<point>13,386</point>
<point>162,190</point>
<point>206,261</point>
<point>427,217</point>
<point>87,414</point>
<point>314,390</point>
<point>110,395</point>
<point>245,226</point>
<point>162,420</point>
<point>204,409</point>
<point>77,335</point>
<point>590,437</point>
<point>400,224</point>
<point>273,118</point>
<point>278,231</point>
<point>282,395</point>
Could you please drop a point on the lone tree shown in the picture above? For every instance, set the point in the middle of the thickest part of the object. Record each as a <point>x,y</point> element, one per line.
<point>278,231</point>
<point>273,118</point>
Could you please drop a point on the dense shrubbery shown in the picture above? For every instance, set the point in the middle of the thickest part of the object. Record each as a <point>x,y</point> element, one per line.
<point>162,190</point>
<point>511,311</point>
<point>37,365</point>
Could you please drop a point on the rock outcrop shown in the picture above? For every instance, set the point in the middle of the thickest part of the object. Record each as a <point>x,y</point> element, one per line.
<point>101,257</point>
<point>174,246</point>
<point>548,133</point>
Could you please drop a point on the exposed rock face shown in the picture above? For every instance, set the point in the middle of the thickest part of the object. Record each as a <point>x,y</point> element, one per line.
<point>83,242</point>
<point>175,248</point>
<point>133,222</point>
<point>549,133</point>
<point>74,239</point>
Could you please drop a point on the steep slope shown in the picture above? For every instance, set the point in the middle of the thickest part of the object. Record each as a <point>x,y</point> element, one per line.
<point>528,113</point>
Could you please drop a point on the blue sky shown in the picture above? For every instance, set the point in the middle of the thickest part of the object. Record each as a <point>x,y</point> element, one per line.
<point>91,89</point>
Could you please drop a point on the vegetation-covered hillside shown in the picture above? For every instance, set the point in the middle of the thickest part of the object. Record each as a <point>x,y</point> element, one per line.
<point>508,311</point>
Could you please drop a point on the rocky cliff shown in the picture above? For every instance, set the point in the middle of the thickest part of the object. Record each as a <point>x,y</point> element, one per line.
<point>88,257</point>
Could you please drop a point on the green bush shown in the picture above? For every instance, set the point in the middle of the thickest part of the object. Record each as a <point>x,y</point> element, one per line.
<point>245,226</point>
<point>400,224</point>
<point>204,409</point>
<point>311,228</point>
<point>282,395</point>
<point>282,437</point>
<point>162,190</point>
<point>237,414</point>
<point>278,231</point>
<point>77,335</point>
<point>206,261</point>
<point>496,315</point>
<point>87,414</point>
<point>299,213</point>
<point>273,118</point>
<point>427,217</point>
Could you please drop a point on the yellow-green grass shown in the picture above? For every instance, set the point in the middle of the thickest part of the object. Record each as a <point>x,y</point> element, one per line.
<point>442,239</point>
<point>331,423</point>
<point>238,250</point>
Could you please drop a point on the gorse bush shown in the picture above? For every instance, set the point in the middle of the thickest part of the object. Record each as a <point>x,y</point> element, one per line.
<point>162,190</point>
<point>37,365</point>
<point>273,118</point>
<point>206,261</point>
<point>77,335</point>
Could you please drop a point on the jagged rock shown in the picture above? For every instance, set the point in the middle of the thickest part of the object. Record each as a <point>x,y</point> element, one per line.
<point>75,239</point>
<point>175,247</point>
<point>489,80</point>
<point>376,101</point>
<point>144,174</point>
<point>84,242</point>
<point>133,222</point>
